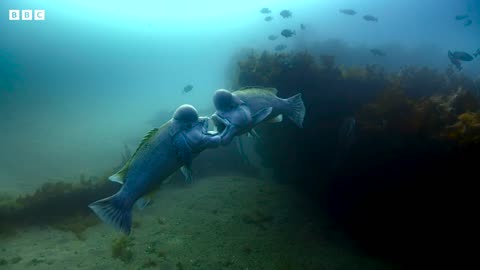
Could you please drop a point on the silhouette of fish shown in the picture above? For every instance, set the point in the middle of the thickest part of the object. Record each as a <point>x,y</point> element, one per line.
<point>370,18</point>
<point>265,11</point>
<point>348,11</point>
<point>188,88</point>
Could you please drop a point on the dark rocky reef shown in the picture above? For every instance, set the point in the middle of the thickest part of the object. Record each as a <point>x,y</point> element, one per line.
<point>404,188</point>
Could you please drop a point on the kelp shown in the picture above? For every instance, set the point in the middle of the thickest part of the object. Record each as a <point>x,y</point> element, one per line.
<point>61,204</point>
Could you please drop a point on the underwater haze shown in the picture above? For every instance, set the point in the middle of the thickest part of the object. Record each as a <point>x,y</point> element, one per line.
<point>78,85</point>
<point>387,84</point>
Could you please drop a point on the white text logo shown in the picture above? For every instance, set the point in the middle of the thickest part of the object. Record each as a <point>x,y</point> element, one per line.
<point>26,15</point>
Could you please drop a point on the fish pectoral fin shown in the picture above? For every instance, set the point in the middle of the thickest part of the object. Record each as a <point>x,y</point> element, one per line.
<point>261,115</point>
<point>187,172</point>
<point>276,119</point>
<point>184,152</point>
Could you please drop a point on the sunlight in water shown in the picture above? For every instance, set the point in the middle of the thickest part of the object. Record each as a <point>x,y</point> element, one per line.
<point>178,12</point>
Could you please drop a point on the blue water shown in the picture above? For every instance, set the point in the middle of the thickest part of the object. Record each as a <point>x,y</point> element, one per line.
<point>93,76</point>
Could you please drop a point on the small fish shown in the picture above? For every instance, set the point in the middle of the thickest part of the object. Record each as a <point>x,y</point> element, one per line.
<point>188,88</point>
<point>454,61</point>
<point>461,56</point>
<point>370,18</point>
<point>238,112</point>
<point>348,11</point>
<point>287,33</point>
<point>272,37</point>
<point>302,26</point>
<point>468,22</point>
<point>265,11</point>
<point>461,17</point>
<point>377,52</point>
<point>162,151</point>
<point>286,13</point>
<point>476,53</point>
<point>280,47</point>
<point>268,18</point>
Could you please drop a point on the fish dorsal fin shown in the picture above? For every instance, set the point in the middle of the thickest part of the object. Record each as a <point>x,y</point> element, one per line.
<point>271,89</point>
<point>120,176</point>
<point>146,138</point>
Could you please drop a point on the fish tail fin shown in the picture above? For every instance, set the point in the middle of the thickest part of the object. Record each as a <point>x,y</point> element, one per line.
<point>297,109</point>
<point>114,210</point>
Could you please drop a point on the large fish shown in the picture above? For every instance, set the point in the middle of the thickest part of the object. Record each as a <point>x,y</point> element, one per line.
<point>163,151</point>
<point>238,112</point>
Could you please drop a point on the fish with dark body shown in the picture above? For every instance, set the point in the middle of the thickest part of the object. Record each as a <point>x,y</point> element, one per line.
<point>265,11</point>
<point>268,18</point>
<point>476,53</point>
<point>272,37</point>
<point>287,33</point>
<point>163,151</point>
<point>187,88</point>
<point>468,23</point>
<point>377,52</point>
<point>461,17</point>
<point>461,56</point>
<point>370,18</point>
<point>347,11</point>
<point>457,56</point>
<point>286,13</point>
<point>238,112</point>
<point>454,61</point>
<point>280,47</point>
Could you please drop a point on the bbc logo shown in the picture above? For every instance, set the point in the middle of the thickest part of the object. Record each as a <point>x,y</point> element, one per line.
<point>26,15</point>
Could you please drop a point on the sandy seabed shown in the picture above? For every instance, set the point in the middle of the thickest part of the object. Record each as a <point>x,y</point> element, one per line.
<point>227,222</point>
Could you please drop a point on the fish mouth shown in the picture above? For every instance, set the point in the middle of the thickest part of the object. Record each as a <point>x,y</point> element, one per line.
<point>220,123</point>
